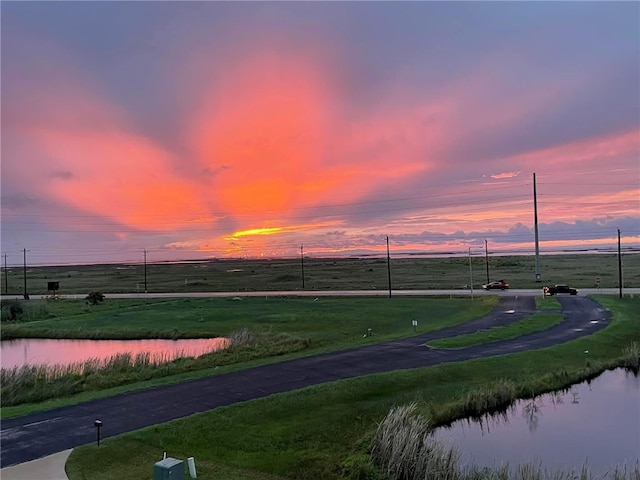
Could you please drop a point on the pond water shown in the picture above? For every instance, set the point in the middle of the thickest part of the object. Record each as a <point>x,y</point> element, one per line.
<point>31,351</point>
<point>595,423</point>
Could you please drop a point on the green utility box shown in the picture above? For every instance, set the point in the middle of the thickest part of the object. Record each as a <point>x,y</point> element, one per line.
<point>168,469</point>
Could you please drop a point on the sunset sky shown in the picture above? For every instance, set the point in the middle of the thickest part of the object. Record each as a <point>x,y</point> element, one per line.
<point>250,129</point>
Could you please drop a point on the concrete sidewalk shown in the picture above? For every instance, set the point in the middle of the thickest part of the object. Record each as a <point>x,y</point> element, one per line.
<point>45,468</point>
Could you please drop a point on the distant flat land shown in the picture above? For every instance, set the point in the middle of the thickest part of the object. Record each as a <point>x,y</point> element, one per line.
<point>241,275</point>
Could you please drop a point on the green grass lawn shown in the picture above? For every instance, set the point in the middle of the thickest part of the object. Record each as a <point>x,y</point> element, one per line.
<point>325,431</point>
<point>547,303</point>
<point>531,324</point>
<point>335,321</point>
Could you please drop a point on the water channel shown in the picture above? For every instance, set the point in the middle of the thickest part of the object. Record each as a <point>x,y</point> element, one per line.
<point>32,351</point>
<point>594,424</point>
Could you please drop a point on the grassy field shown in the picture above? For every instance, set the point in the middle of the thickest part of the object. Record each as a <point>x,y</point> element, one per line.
<point>577,270</point>
<point>335,321</point>
<point>326,431</point>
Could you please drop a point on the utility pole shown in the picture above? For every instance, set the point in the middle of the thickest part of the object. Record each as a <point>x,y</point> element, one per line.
<point>619,265</point>
<point>6,277</point>
<point>486,258</point>
<point>145,271</point>
<point>470,274</point>
<point>535,224</point>
<point>302,263</point>
<point>24,273</point>
<point>389,266</point>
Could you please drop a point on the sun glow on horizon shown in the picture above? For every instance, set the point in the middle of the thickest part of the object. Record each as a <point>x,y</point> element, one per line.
<point>255,231</point>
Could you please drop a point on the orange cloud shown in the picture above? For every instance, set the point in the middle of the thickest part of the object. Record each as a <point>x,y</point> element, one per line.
<point>116,175</point>
<point>500,176</point>
<point>273,121</point>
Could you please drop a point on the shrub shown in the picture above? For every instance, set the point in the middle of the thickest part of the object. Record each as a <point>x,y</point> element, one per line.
<point>94,298</point>
<point>12,311</point>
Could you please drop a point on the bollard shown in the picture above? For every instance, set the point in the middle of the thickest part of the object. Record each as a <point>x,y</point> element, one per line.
<point>97,424</point>
<point>192,467</point>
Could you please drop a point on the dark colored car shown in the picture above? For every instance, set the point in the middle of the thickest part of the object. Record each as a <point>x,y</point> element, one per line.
<point>499,285</point>
<point>560,288</point>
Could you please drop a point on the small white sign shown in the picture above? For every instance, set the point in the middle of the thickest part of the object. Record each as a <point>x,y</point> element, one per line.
<point>414,323</point>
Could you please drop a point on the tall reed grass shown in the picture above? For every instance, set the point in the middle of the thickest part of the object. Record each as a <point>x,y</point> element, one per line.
<point>631,356</point>
<point>35,382</point>
<point>404,448</point>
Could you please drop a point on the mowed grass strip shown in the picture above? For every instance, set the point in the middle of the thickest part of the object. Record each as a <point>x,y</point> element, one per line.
<point>534,323</point>
<point>326,431</point>
<point>547,303</point>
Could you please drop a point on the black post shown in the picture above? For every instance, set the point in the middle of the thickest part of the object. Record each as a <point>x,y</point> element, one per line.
<point>24,273</point>
<point>389,266</point>
<point>6,277</point>
<point>145,271</point>
<point>486,258</point>
<point>302,263</point>
<point>619,265</point>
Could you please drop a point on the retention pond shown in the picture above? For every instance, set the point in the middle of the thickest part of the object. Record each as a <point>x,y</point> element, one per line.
<point>39,351</point>
<point>594,424</point>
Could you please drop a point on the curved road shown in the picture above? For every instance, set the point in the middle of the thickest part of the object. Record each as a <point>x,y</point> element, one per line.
<point>37,435</point>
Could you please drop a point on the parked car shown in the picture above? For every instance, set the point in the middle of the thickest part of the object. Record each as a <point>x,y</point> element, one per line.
<point>560,288</point>
<point>499,285</point>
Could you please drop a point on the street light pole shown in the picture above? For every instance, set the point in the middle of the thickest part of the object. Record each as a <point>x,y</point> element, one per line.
<point>24,273</point>
<point>619,265</point>
<point>470,274</point>
<point>486,258</point>
<point>302,263</point>
<point>6,278</point>
<point>145,271</point>
<point>535,226</point>
<point>389,266</point>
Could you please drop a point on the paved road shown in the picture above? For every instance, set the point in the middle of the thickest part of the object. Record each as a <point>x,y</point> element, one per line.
<point>339,293</point>
<point>34,436</point>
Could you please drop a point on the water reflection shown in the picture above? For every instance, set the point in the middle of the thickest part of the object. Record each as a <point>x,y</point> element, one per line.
<point>32,351</point>
<point>595,423</point>
<point>531,412</point>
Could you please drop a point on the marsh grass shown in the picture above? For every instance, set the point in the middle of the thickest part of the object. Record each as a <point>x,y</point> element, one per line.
<point>631,355</point>
<point>241,275</point>
<point>490,399</point>
<point>404,448</point>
